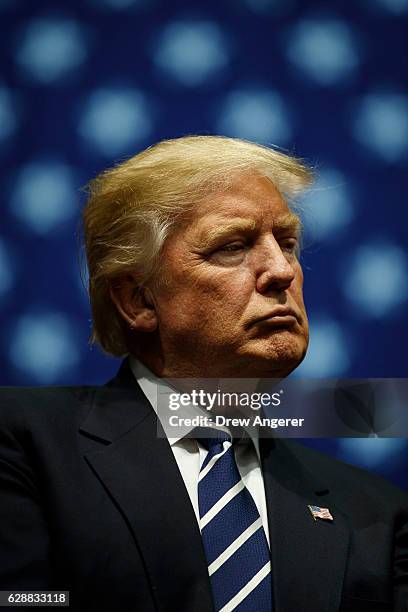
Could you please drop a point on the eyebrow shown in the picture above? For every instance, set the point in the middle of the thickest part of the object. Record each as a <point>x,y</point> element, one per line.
<point>213,234</point>
<point>289,221</point>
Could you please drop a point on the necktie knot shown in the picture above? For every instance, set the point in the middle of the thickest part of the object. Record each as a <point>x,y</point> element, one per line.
<point>212,439</point>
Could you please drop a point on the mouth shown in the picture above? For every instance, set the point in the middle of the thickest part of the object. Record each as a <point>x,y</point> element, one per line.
<point>279,317</point>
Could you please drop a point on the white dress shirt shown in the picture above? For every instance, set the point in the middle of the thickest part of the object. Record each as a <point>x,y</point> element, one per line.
<point>190,455</point>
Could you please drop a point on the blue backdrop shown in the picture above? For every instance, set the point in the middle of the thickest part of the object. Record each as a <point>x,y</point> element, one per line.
<point>84,84</point>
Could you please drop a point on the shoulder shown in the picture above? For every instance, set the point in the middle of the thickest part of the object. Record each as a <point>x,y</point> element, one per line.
<point>22,406</point>
<point>344,477</point>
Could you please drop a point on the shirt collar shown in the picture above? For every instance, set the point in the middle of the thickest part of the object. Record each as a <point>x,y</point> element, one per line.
<point>151,385</point>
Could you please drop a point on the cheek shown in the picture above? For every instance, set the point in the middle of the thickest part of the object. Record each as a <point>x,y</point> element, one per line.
<point>229,289</point>
<point>221,298</point>
<point>297,284</point>
<point>216,299</point>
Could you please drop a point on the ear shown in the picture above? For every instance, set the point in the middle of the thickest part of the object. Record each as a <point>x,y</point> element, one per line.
<point>134,303</point>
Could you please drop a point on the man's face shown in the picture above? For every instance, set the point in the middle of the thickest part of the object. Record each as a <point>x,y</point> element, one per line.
<point>232,305</point>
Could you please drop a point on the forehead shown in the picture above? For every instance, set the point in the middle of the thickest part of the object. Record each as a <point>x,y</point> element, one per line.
<point>250,202</point>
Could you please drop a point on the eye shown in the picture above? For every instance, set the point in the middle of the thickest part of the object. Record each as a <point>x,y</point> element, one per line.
<point>232,247</point>
<point>290,245</point>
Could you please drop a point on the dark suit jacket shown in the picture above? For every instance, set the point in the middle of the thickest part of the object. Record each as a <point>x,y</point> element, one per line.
<point>92,501</point>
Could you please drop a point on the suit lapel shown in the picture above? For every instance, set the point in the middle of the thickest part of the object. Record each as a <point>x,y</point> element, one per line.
<point>139,471</point>
<point>308,556</point>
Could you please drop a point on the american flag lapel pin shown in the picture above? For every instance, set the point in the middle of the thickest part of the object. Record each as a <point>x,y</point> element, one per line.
<point>322,513</point>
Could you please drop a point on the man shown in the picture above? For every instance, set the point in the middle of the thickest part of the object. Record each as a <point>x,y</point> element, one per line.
<point>192,252</point>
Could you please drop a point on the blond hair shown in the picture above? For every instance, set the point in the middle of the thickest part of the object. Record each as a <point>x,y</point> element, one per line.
<point>132,208</point>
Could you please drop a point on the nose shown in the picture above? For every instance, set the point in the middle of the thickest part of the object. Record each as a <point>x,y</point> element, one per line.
<point>275,272</point>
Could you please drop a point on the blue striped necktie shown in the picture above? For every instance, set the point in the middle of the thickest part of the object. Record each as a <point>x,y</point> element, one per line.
<point>234,539</point>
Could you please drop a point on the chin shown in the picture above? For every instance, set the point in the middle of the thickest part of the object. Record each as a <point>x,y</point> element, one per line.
<point>279,357</point>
